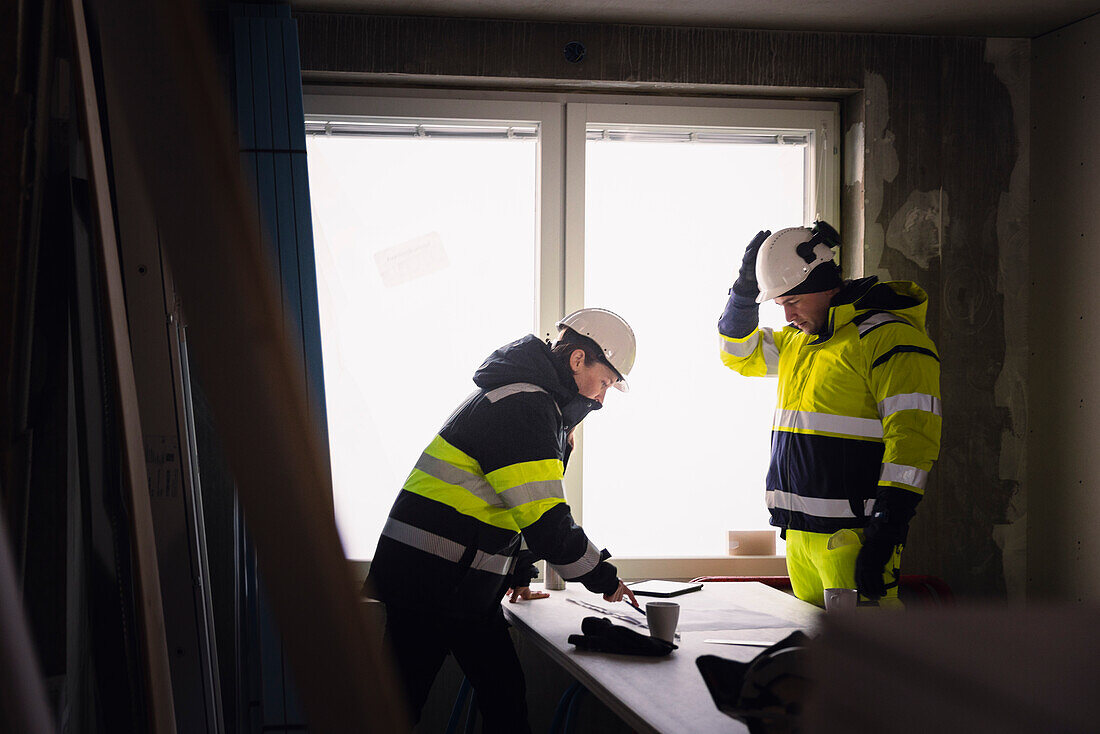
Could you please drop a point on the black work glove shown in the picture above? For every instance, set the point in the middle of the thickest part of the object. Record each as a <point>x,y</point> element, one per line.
<point>878,549</point>
<point>602,636</point>
<point>746,285</point>
<point>888,527</point>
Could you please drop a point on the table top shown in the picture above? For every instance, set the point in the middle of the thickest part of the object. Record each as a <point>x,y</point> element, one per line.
<point>664,694</point>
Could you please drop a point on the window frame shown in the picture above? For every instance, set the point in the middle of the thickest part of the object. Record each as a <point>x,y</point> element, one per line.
<point>563,120</point>
<point>549,167</point>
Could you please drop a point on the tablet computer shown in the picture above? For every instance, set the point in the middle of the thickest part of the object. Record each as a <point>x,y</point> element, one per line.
<point>657,587</point>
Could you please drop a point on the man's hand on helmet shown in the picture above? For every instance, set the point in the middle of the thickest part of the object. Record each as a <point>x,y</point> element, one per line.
<point>746,285</point>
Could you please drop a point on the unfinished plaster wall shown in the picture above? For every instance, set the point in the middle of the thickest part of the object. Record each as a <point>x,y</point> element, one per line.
<point>1011,59</point>
<point>931,193</point>
<point>1064,427</point>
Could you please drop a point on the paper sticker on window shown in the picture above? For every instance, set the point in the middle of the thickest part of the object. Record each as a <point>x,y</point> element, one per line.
<point>411,260</point>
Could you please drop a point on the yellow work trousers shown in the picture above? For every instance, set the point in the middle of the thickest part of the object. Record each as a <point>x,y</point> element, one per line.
<point>819,561</point>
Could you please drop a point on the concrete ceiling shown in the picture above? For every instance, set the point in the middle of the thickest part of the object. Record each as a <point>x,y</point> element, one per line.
<point>993,18</point>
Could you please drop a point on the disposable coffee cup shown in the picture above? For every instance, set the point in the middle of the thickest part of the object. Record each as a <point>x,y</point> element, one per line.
<point>840,599</point>
<point>662,617</point>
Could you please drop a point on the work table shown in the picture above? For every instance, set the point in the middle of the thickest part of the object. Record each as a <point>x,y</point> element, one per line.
<point>663,694</point>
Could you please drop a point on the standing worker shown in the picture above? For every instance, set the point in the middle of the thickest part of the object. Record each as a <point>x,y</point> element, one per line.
<point>484,501</point>
<point>857,419</point>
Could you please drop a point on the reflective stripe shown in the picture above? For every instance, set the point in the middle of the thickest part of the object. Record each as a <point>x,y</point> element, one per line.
<point>904,349</point>
<point>531,491</point>
<point>910,475</point>
<point>878,319</point>
<point>444,548</point>
<point>771,352</point>
<point>909,401</point>
<point>524,472</point>
<point>517,387</point>
<point>817,506</point>
<point>451,474</point>
<point>847,425</point>
<point>583,565</point>
<point>740,349</point>
<point>490,563</point>
<point>440,449</point>
<point>743,349</point>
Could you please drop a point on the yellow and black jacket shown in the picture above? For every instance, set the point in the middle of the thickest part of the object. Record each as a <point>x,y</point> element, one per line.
<point>487,485</point>
<point>858,406</point>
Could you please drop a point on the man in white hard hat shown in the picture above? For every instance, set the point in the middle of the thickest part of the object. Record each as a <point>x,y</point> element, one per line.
<point>857,421</point>
<point>484,501</point>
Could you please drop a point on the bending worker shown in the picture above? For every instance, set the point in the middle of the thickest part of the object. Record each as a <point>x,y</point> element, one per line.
<point>857,419</point>
<point>484,500</point>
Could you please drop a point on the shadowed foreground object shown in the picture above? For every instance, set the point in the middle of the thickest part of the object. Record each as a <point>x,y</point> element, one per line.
<point>979,669</point>
<point>175,111</point>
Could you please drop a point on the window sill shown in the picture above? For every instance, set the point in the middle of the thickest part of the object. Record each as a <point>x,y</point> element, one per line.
<point>673,568</point>
<point>686,568</point>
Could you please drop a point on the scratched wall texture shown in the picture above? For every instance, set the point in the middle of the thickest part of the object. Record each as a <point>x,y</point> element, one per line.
<point>935,191</point>
<point>1064,461</point>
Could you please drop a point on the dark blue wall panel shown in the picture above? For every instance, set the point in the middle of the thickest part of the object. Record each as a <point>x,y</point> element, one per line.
<point>311,327</point>
<point>261,92</point>
<point>288,248</point>
<point>271,129</point>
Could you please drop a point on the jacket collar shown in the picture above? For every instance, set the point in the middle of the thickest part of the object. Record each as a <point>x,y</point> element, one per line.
<point>901,298</point>
<point>530,360</point>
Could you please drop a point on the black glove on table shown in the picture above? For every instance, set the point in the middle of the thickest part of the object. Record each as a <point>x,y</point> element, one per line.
<point>602,636</point>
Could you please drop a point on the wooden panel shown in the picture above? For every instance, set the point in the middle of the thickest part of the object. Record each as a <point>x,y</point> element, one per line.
<point>155,674</point>
<point>154,328</point>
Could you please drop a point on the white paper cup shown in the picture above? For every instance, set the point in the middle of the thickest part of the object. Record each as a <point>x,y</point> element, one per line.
<point>840,599</point>
<point>662,617</point>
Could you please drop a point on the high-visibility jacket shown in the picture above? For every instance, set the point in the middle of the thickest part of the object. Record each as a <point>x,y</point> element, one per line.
<point>858,405</point>
<point>489,482</point>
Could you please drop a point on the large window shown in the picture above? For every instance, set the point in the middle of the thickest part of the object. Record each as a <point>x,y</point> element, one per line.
<point>446,228</point>
<point>665,223</point>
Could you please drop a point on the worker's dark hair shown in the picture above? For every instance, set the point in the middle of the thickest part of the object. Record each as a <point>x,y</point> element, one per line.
<point>570,341</point>
<point>825,276</point>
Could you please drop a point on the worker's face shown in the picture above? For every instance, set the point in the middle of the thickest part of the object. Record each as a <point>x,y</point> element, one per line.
<point>807,311</point>
<point>592,379</point>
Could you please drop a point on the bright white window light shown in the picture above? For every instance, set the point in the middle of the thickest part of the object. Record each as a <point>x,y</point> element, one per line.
<point>681,459</point>
<point>425,247</point>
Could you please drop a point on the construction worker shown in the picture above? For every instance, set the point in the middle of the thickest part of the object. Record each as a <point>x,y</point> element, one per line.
<point>857,419</point>
<point>484,501</point>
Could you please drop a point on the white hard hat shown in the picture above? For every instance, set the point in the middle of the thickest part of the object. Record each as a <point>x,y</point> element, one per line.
<point>612,335</point>
<point>782,265</point>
